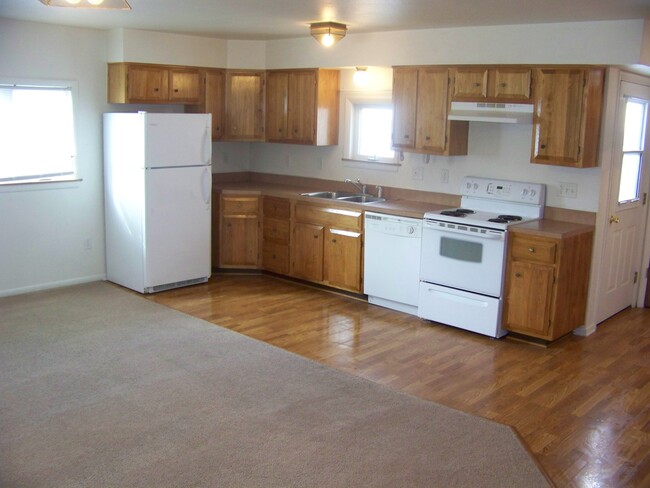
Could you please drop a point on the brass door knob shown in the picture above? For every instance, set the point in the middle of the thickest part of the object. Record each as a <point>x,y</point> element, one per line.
<point>613,219</point>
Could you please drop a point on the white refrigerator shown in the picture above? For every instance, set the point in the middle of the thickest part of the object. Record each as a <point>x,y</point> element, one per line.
<point>157,197</point>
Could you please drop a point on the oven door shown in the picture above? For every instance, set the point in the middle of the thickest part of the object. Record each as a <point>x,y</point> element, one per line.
<point>470,258</point>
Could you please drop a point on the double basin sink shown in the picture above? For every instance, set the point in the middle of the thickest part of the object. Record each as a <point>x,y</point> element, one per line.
<point>345,196</point>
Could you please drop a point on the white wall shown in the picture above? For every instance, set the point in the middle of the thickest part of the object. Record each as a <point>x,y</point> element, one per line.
<point>45,227</point>
<point>44,230</point>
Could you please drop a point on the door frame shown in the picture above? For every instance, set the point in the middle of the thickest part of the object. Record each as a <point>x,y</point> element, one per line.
<point>607,156</point>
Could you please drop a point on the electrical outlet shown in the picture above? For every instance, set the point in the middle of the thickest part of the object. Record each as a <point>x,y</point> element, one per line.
<point>417,173</point>
<point>568,190</point>
<point>444,176</point>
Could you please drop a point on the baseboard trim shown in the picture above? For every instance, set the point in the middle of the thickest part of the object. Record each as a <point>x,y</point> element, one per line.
<point>52,284</point>
<point>585,330</point>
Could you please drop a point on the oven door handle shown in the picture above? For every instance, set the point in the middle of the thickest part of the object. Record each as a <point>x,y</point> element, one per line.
<point>497,236</point>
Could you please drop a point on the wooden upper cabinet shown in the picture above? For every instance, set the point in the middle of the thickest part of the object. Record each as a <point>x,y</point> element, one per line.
<point>405,92</point>
<point>420,107</point>
<point>492,84</point>
<point>302,106</point>
<point>151,83</point>
<point>277,99</point>
<point>567,116</point>
<point>470,83</point>
<point>245,92</point>
<point>212,99</point>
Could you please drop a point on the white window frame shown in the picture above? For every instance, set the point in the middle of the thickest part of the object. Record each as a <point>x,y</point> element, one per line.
<point>20,184</point>
<point>352,104</point>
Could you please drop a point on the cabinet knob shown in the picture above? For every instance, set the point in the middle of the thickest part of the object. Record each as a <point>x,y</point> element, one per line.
<point>517,275</point>
<point>503,85</point>
<point>531,249</point>
<point>477,84</point>
<point>175,90</point>
<point>156,89</point>
<point>334,241</point>
<point>229,224</point>
<point>315,236</point>
<point>543,146</point>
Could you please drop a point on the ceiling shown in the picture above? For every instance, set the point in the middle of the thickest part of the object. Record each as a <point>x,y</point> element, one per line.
<point>277,19</point>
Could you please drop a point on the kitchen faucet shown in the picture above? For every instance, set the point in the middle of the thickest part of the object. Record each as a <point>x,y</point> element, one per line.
<point>357,184</point>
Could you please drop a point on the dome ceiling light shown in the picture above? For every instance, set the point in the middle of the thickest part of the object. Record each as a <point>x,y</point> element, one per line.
<point>328,33</point>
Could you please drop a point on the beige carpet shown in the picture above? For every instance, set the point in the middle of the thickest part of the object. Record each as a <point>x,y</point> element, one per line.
<point>102,388</point>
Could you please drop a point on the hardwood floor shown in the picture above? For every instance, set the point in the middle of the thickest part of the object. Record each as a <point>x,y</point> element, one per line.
<point>581,404</point>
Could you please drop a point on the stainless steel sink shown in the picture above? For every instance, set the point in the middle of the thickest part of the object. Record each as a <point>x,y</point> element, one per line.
<point>332,195</point>
<point>362,199</point>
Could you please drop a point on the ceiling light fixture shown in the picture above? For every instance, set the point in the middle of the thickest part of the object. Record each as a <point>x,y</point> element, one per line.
<point>328,33</point>
<point>103,4</point>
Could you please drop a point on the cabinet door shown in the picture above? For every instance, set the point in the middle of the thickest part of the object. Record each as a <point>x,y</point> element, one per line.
<point>512,84</point>
<point>558,115</point>
<point>342,259</point>
<point>277,94</point>
<point>214,100</point>
<point>307,251</point>
<point>185,85</point>
<point>147,84</point>
<point>302,107</point>
<point>528,298</point>
<point>239,241</point>
<point>470,83</point>
<point>405,92</point>
<point>245,106</point>
<point>432,104</point>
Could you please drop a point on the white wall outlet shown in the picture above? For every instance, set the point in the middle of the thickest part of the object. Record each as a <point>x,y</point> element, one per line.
<point>444,176</point>
<point>417,173</point>
<point>568,190</point>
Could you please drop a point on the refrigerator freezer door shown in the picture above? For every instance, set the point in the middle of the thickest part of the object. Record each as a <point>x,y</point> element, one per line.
<point>177,235</point>
<point>177,140</point>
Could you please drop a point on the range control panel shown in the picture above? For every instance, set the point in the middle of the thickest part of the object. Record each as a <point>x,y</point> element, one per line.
<point>504,190</point>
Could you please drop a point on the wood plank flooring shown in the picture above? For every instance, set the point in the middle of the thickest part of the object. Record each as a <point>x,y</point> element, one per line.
<point>581,405</point>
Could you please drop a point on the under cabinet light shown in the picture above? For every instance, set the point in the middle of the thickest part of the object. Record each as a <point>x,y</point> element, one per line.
<point>103,4</point>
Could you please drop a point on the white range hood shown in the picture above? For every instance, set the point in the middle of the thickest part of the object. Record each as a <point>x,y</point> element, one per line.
<point>504,113</point>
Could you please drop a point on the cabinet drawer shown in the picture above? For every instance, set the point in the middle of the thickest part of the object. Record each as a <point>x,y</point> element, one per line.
<point>276,230</point>
<point>535,250</point>
<point>349,219</point>
<point>278,208</point>
<point>275,257</point>
<point>239,205</point>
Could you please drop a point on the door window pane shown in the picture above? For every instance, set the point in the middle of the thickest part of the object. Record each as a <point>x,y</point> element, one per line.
<point>633,147</point>
<point>634,135</point>
<point>630,172</point>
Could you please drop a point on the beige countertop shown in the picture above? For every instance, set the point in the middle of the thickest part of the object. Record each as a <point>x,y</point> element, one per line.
<point>407,208</point>
<point>551,228</point>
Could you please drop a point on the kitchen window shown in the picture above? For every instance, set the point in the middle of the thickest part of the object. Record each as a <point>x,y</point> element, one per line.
<point>37,133</point>
<point>368,127</point>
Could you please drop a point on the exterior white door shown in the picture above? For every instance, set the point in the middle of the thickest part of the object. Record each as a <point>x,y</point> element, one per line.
<point>622,267</point>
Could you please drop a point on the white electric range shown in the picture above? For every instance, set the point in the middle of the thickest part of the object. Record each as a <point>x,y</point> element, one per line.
<point>464,252</point>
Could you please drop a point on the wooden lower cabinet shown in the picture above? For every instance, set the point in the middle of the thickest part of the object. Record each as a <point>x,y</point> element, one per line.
<point>327,246</point>
<point>342,251</point>
<point>307,251</point>
<point>546,284</point>
<point>276,232</point>
<point>239,229</point>
<point>313,242</point>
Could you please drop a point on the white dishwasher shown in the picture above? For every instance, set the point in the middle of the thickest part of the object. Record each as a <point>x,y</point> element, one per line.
<point>392,261</point>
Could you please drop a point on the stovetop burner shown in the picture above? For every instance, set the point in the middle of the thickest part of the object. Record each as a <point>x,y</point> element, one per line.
<point>510,218</point>
<point>458,212</point>
<point>498,220</point>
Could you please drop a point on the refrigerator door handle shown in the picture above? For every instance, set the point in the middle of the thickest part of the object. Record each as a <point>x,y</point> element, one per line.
<point>206,185</point>
<point>207,146</point>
